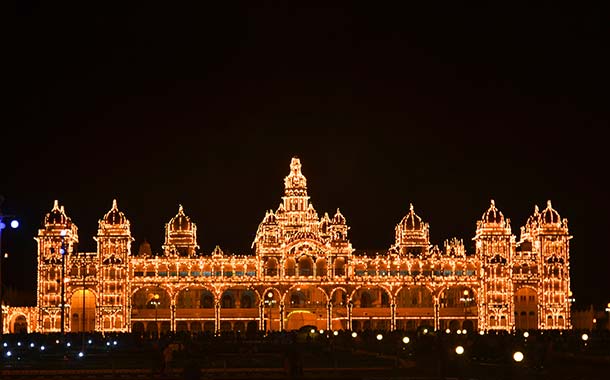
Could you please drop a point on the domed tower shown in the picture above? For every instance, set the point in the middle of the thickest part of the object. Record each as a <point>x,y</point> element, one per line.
<point>57,241</point>
<point>412,235</point>
<point>552,241</point>
<point>495,245</point>
<point>180,236</point>
<point>113,252</point>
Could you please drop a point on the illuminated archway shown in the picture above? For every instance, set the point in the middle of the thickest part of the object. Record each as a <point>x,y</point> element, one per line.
<point>83,309</point>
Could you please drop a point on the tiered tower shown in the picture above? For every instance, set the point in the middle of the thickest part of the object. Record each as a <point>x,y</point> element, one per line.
<point>57,241</point>
<point>113,253</point>
<point>495,245</point>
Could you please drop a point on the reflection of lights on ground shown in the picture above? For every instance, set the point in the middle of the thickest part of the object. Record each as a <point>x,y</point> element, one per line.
<point>518,356</point>
<point>459,350</point>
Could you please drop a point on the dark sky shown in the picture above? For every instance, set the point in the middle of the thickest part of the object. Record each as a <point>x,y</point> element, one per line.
<point>445,107</point>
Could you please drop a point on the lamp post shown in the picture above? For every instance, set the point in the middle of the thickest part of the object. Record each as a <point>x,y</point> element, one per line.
<point>270,296</point>
<point>14,224</point>
<point>155,301</point>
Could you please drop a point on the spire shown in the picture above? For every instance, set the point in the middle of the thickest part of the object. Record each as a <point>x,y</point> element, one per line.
<point>493,203</point>
<point>411,207</point>
<point>180,209</point>
<point>56,205</point>
<point>114,206</point>
<point>536,209</point>
<point>548,204</point>
<point>295,183</point>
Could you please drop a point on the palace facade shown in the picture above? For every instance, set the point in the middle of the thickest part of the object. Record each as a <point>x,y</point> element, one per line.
<point>303,271</point>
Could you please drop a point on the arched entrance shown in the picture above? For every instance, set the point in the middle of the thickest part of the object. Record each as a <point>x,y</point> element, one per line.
<point>300,318</point>
<point>82,308</point>
<point>414,308</point>
<point>20,325</point>
<point>526,309</point>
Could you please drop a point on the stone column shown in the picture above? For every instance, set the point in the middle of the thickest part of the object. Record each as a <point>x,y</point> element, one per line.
<point>217,316</point>
<point>350,305</point>
<point>173,316</point>
<point>393,316</point>
<point>329,316</point>
<point>436,313</point>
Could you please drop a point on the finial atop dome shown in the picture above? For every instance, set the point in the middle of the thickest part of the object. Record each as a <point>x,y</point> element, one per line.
<point>548,204</point>
<point>410,206</point>
<point>180,209</point>
<point>56,205</point>
<point>493,203</point>
<point>114,206</point>
<point>536,209</point>
<point>295,165</point>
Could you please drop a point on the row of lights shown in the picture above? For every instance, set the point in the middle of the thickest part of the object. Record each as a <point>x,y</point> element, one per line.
<point>68,344</point>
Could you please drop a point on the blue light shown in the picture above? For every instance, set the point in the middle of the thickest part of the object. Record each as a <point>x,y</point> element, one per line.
<point>114,342</point>
<point>5,344</point>
<point>107,343</point>
<point>19,344</point>
<point>90,341</point>
<point>62,251</point>
<point>2,226</point>
<point>8,353</point>
<point>14,224</point>
<point>32,345</point>
<point>80,354</point>
<point>41,348</point>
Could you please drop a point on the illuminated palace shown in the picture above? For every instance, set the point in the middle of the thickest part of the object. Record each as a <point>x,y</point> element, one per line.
<point>303,271</point>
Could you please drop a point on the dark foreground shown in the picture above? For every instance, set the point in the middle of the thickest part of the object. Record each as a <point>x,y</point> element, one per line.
<point>307,355</point>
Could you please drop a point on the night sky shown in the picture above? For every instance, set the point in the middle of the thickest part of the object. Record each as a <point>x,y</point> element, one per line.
<point>446,107</point>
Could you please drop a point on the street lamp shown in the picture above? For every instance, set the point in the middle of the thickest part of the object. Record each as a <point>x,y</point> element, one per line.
<point>465,299</point>
<point>155,301</point>
<point>14,224</point>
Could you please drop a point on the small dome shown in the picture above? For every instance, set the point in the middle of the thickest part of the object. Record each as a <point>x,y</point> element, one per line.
<point>549,215</point>
<point>493,215</point>
<point>338,218</point>
<point>144,249</point>
<point>180,222</point>
<point>412,221</point>
<point>280,210</point>
<point>114,216</point>
<point>57,215</point>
